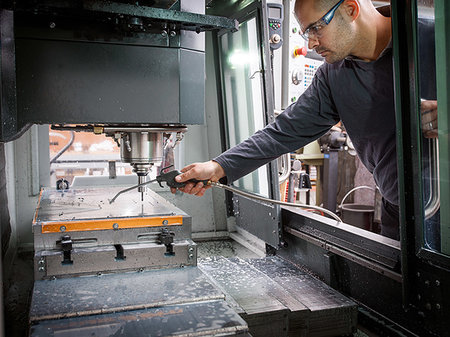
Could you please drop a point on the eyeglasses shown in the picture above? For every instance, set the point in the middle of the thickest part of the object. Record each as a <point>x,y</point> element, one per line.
<point>314,28</point>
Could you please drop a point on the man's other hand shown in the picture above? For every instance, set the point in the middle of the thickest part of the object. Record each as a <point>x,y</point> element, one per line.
<point>209,170</point>
<point>429,118</point>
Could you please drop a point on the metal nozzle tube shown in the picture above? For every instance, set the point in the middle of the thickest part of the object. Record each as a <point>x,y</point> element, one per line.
<point>141,179</point>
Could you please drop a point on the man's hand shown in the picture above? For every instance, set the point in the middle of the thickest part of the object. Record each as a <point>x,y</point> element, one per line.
<point>429,119</point>
<point>209,170</point>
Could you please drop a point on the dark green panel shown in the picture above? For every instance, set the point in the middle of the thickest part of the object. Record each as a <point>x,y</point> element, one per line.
<point>442,8</point>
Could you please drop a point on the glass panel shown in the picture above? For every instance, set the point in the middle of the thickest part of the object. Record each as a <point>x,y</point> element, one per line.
<point>431,156</point>
<point>243,101</point>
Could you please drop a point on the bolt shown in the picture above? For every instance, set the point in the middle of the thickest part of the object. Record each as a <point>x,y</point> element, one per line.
<point>191,249</point>
<point>438,306</point>
<point>173,33</point>
<point>62,228</point>
<point>164,33</point>
<point>99,274</point>
<point>191,256</point>
<point>53,278</point>
<point>41,269</point>
<point>41,262</point>
<point>115,225</point>
<point>52,25</point>
<point>165,222</point>
<point>141,270</point>
<point>438,283</point>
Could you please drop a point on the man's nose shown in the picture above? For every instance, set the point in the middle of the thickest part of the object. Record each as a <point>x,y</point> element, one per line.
<point>313,42</point>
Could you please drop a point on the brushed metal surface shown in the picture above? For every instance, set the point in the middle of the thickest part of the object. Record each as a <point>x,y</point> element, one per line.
<point>82,296</point>
<point>103,259</point>
<point>209,318</point>
<point>93,204</point>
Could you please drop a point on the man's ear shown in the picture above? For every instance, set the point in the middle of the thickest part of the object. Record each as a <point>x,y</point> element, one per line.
<point>351,8</point>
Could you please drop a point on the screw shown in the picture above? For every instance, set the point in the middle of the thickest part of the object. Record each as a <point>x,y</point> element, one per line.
<point>141,270</point>
<point>115,225</point>
<point>191,256</point>
<point>52,25</point>
<point>191,249</point>
<point>41,262</point>
<point>164,33</point>
<point>62,228</point>
<point>99,274</point>
<point>438,283</point>
<point>173,33</point>
<point>53,278</point>
<point>438,306</point>
<point>165,222</point>
<point>41,269</point>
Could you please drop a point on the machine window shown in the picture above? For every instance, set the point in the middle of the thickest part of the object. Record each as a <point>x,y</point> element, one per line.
<point>434,162</point>
<point>241,69</point>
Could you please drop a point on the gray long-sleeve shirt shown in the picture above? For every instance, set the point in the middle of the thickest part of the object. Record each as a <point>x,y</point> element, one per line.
<point>358,93</point>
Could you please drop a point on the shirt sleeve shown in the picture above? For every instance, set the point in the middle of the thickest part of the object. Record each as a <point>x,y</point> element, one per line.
<point>302,122</point>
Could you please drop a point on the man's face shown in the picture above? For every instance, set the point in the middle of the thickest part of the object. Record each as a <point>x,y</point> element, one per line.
<point>332,41</point>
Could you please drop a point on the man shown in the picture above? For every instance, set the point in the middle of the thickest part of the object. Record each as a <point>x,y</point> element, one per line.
<point>354,85</point>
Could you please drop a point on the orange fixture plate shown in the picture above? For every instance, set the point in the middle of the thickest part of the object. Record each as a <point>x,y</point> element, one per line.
<point>105,224</point>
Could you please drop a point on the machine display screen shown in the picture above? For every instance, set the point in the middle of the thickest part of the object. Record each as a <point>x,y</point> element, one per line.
<point>275,12</point>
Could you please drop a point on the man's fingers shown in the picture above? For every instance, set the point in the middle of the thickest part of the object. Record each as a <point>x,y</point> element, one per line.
<point>429,117</point>
<point>188,188</point>
<point>187,168</point>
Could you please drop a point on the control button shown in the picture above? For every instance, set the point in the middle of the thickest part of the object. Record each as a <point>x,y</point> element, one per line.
<point>300,51</point>
<point>297,76</point>
<point>275,38</point>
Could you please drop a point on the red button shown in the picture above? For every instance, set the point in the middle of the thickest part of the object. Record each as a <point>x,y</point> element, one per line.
<point>300,51</point>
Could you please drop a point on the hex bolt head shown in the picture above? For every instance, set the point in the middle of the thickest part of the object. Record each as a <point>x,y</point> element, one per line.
<point>115,225</point>
<point>62,228</point>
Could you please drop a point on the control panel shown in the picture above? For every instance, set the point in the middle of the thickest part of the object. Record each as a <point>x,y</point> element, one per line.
<point>275,17</point>
<point>303,62</point>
